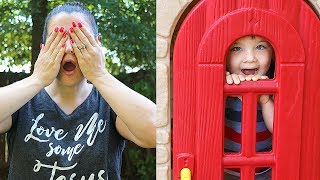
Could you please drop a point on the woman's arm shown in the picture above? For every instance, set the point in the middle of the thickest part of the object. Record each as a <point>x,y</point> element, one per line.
<point>136,115</point>
<point>14,96</point>
<point>46,68</point>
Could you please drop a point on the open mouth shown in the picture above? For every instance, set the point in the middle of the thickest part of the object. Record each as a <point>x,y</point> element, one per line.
<point>249,71</point>
<point>69,66</point>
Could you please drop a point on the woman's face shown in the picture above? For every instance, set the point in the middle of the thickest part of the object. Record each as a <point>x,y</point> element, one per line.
<point>250,55</point>
<point>70,73</point>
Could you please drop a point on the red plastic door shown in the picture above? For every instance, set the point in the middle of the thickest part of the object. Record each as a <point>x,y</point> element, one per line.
<point>199,88</point>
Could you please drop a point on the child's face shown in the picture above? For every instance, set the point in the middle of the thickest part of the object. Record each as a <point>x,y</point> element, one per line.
<point>249,55</point>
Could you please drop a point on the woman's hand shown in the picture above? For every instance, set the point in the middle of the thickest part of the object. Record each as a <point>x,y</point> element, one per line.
<point>47,65</point>
<point>88,51</point>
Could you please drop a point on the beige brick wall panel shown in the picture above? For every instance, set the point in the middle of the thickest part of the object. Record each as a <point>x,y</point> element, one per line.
<point>185,2</point>
<point>162,94</point>
<point>162,47</point>
<point>162,173</point>
<point>168,13</point>
<point>316,5</point>
<point>162,153</point>
<point>163,136</point>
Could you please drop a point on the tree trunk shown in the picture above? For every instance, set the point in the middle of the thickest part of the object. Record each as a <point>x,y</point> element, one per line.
<point>39,11</point>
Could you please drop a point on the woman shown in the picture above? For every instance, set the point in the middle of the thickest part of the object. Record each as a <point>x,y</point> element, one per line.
<point>59,125</point>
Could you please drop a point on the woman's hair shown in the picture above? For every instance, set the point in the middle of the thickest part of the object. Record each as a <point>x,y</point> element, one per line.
<point>69,8</point>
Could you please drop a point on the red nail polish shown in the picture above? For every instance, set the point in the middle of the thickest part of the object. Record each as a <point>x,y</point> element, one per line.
<point>71,29</point>
<point>56,29</point>
<point>63,45</point>
<point>72,41</point>
<point>99,38</point>
<point>79,24</point>
<point>65,34</point>
<point>74,24</point>
<point>61,29</point>
<point>41,45</point>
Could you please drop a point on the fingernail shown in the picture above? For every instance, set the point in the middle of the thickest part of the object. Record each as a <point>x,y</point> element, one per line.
<point>63,45</point>
<point>56,29</point>
<point>61,29</point>
<point>72,41</point>
<point>41,45</point>
<point>71,29</point>
<point>74,24</point>
<point>79,24</point>
<point>99,38</point>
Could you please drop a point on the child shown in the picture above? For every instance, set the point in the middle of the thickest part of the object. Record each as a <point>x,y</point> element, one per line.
<point>249,59</point>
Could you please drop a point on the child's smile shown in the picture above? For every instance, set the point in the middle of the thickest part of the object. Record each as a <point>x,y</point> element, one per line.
<point>249,71</point>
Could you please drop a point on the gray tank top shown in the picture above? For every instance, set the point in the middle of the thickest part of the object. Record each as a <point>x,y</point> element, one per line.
<point>46,143</point>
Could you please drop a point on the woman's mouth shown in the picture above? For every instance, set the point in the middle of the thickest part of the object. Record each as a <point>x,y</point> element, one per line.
<point>249,71</point>
<point>69,66</point>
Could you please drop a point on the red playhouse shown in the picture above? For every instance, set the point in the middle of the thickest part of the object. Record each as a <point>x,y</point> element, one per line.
<point>199,90</point>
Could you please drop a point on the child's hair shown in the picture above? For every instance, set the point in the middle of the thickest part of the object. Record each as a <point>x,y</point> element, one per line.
<point>69,8</point>
<point>271,70</point>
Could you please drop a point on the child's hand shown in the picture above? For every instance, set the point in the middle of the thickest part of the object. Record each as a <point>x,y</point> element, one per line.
<point>255,77</point>
<point>237,78</point>
<point>234,78</point>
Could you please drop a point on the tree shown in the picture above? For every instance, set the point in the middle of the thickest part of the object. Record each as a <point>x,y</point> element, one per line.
<point>39,10</point>
<point>16,29</point>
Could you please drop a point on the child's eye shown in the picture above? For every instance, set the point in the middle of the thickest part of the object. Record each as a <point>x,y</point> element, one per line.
<point>236,48</point>
<point>261,47</point>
